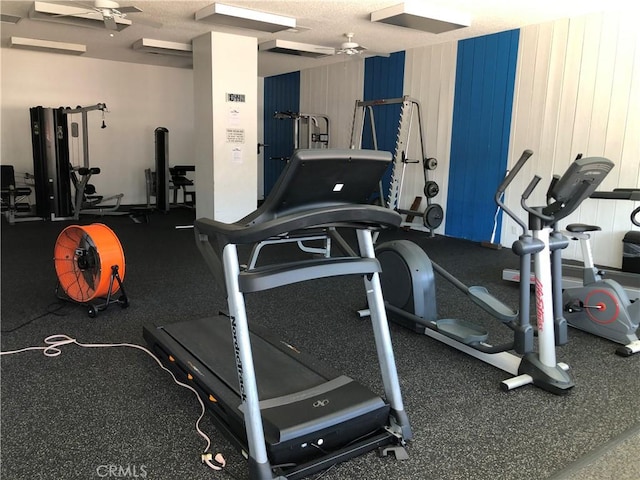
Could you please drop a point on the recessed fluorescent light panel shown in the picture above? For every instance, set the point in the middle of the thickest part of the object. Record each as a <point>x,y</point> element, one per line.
<point>296,48</point>
<point>150,45</point>
<point>421,16</point>
<point>4,18</point>
<point>47,46</point>
<point>221,14</point>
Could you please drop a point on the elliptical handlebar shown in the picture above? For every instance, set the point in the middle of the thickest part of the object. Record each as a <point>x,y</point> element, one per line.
<point>527,193</point>
<point>514,171</point>
<point>532,185</point>
<point>505,183</point>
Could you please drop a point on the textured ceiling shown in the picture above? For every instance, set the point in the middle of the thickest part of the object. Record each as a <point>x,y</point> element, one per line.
<point>324,23</point>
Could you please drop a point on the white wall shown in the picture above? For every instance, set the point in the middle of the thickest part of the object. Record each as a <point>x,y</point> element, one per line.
<point>139,98</point>
<point>578,91</point>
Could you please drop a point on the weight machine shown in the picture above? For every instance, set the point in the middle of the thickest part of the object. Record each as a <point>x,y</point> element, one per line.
<point>15,197</point>
<point>310,130</point>
<point>433,214</point>
<point>86,200</point>
<point>53,173</point>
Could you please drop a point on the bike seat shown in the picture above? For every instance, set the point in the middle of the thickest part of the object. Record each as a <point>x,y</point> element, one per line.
<point>582,227</point>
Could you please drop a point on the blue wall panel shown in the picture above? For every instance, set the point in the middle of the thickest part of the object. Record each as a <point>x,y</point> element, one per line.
<point>281,94</point>
<point>384,79</point>
<point>485,77</point>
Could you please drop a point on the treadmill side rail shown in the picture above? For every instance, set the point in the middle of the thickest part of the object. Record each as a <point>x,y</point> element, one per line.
<point>382,337</point>
<point>244,363</point>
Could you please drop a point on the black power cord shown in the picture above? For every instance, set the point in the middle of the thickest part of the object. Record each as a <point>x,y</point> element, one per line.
<point>52,309</point>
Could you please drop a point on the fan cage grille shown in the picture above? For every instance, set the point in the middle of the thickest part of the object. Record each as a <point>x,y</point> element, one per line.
<point>83,258</point>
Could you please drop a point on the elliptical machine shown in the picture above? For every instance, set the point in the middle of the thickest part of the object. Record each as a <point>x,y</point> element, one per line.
<point>408,284</point>
<point>601,306</point>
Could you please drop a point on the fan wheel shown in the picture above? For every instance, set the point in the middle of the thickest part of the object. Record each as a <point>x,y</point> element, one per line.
<point>84,257</point>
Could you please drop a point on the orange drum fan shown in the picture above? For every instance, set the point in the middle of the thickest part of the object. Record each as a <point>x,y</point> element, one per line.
<point>89,262</point>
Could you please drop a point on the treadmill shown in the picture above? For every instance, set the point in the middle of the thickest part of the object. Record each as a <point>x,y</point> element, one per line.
<point>289,415</point>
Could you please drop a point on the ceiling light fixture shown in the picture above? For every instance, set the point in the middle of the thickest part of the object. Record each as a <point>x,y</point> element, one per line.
<point>420,16</point>
<point>221,14</point>
<point>47,46</point>
<point>296,48</point>
<point>150,45</point>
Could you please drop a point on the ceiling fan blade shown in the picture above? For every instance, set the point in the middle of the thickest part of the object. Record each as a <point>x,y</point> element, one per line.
<point>63,15</point>
<point>110,23</point>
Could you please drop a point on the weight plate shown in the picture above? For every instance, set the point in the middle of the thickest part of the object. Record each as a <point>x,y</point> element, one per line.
<point>431,189</point>
<point>431,163</point>
<point>433,216</point>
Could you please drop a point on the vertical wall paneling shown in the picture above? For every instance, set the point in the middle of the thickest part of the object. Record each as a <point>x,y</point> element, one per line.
<point>281,94</point>
<point>480,137</point>
<point>578,91</point>
<point>383,79</point>
<point>430,78</point>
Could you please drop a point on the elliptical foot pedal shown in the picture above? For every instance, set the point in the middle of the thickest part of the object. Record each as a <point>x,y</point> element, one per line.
<point>461,330</point>
<point>399,451</point>
<point>491,304</point>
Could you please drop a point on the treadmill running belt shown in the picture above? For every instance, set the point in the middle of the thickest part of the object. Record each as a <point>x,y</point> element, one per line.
<point>301,403</point>
<point>210,341</point>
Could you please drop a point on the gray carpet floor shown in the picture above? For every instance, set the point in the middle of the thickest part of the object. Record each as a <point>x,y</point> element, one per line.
<point>78,414</point>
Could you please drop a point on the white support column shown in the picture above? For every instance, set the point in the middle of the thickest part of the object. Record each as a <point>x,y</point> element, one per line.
<point>225,72</point>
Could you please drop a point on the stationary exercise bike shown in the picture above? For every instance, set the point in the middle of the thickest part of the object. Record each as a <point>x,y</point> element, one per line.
<point>601,306</point>
<point>408,285</point>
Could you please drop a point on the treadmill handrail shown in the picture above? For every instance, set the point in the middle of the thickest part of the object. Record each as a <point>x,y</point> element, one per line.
<point>352,215</point>
<point>278,275</point>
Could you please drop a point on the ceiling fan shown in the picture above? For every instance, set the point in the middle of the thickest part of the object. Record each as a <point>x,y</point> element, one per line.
<point>110,11</point>
<point>353,49</point>
<point>350,47</point>
<point>106,13</point>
